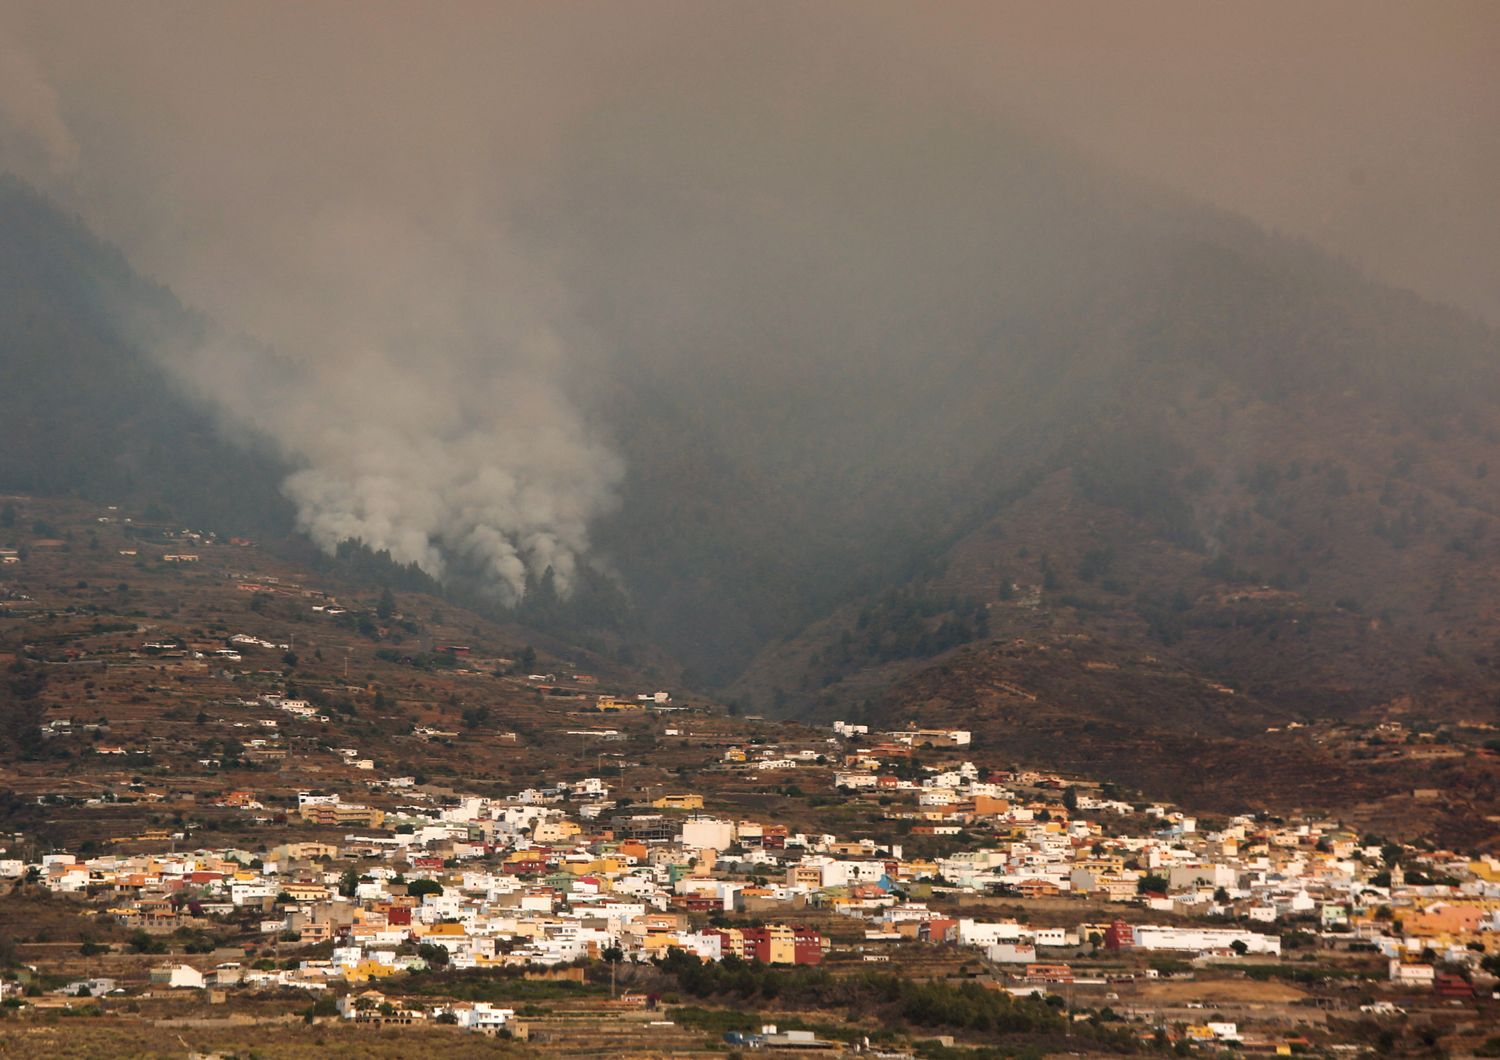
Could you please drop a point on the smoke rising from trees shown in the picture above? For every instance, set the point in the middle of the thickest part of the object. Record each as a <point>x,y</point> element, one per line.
<point>437,241</point>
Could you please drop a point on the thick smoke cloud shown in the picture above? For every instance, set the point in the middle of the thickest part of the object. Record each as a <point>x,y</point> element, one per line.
<point>440,460</point>
<point>349,234</point>
<point>360,191</point>
<point>429,417</point>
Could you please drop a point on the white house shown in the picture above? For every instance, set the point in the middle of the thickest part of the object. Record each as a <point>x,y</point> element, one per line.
<point>1011,953</point>
<point>1155,937</point>
<point>178,976</point>
<point>707,833</point>
<point>1412,974</point>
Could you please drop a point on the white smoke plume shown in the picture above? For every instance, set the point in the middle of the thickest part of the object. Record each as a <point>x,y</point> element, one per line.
<point>354,222</point>
<point>352,186</point>
<point>439,429</point>
<point>437,464</point>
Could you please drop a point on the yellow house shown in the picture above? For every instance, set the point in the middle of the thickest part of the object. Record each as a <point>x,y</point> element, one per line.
<point>305,892</point>
<point>610,703</point>
<point>368,969</point>
<point>678,801</point>
<point>804,876</point>
<point>598,866</point>
<point>554,831</point>
<point>303,852</point>
<point>1487,869</point>
<point>782,944</point>
<point>443,931</point>
<point>916,869</point>
<point>657,944</point>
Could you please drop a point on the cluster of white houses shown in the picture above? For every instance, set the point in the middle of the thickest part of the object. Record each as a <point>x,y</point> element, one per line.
<point>554,875</point>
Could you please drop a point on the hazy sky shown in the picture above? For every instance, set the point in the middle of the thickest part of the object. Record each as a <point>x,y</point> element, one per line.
<point>357,185</point>
<point>1370,127</point>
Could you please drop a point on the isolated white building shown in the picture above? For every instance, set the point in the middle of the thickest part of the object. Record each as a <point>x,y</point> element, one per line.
<point>178,976</point>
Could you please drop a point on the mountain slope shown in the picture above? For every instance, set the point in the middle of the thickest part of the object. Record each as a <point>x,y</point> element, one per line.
<point>835,342</point>
<point>83,410</point>
<point>846,357</point>
<point>1324,549</point>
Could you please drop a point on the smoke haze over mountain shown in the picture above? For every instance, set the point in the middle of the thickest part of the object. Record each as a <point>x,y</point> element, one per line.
<point>438,242</point>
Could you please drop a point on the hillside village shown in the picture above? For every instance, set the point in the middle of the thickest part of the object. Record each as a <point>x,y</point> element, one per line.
<point>239,790</point>
<point>556,877</point>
